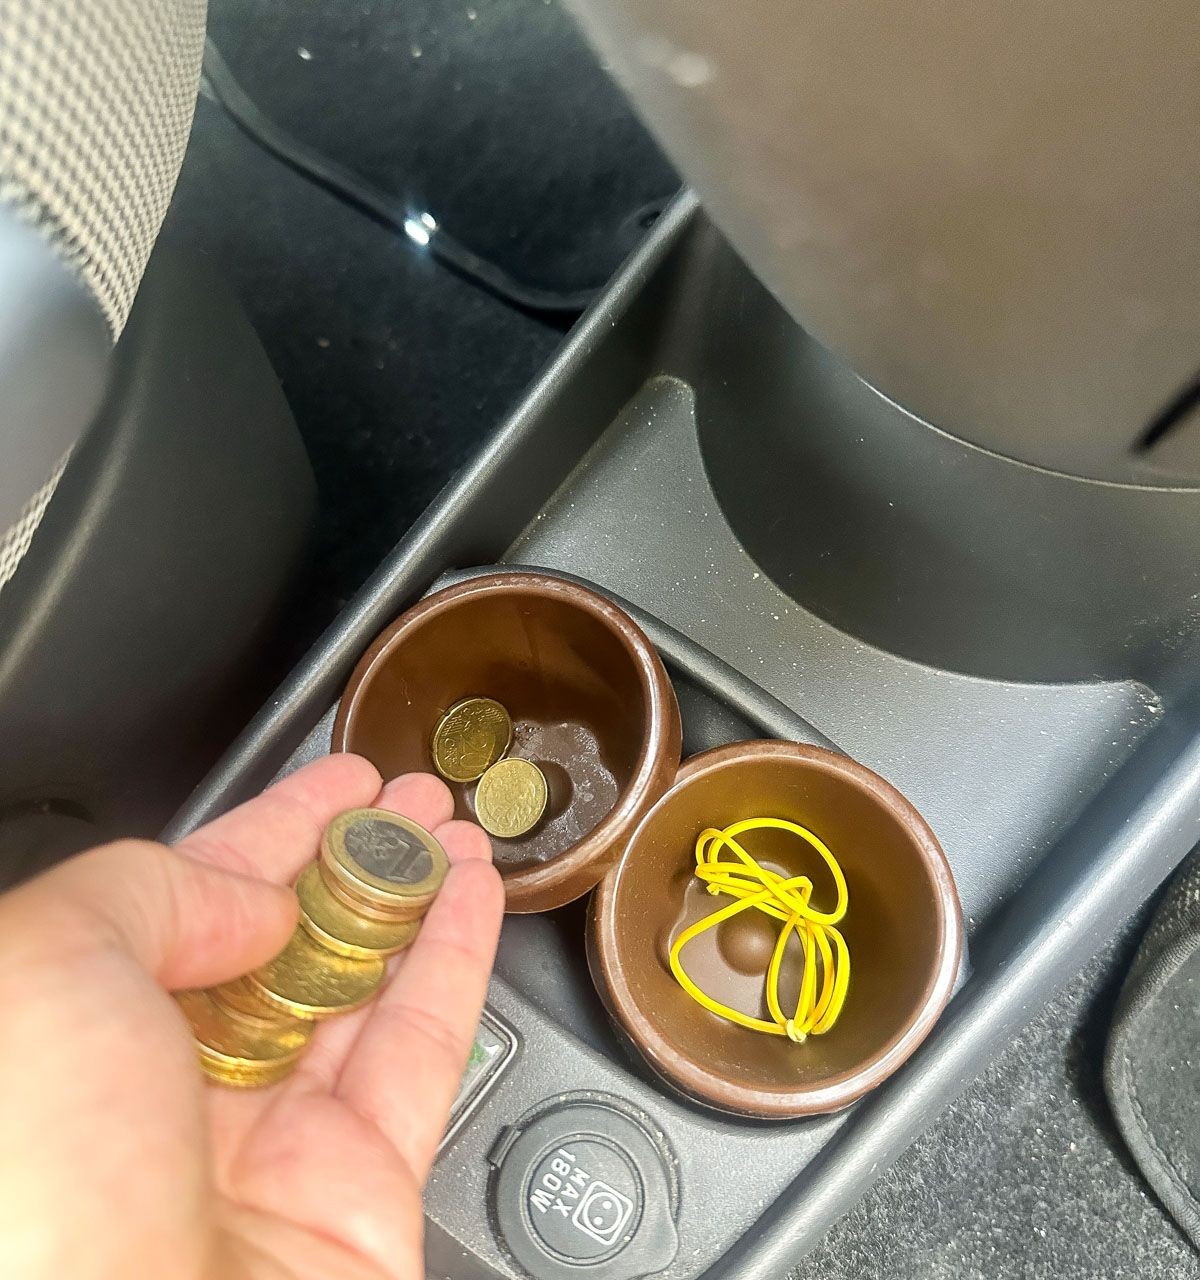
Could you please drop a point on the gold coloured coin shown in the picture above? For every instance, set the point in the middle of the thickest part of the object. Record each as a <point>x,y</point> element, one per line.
<point>511,798</point>
<point>256,1077</point>
<point>470,738</point>
<point>342,930</point>
<point>308,981</point>
<point>240,996</point>
<point>241,1050</point>
<point>381,864</point>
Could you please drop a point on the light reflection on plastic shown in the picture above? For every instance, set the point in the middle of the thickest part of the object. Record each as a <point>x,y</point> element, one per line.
<point>421,228</point>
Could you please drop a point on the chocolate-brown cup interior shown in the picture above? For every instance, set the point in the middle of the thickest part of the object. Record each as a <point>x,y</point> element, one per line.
<point>588,695</point>
<point>903,929</point>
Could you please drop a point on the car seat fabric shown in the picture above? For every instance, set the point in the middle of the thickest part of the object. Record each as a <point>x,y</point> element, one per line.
<point>96,103</point>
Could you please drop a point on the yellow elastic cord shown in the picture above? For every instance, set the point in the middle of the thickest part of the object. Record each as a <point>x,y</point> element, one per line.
<point>826,974</point>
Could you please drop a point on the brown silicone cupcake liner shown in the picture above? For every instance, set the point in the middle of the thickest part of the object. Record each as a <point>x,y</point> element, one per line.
<point>590,701</point>
<point>903,928</point>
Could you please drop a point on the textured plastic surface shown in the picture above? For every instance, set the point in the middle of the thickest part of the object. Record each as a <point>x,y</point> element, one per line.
<point>1061,806</point>
<point>131,634</point>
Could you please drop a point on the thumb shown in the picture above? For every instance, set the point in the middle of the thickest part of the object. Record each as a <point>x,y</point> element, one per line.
<point>187,923</point>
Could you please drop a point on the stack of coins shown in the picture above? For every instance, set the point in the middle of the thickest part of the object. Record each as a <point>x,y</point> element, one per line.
<point>470,744</point>
<point>360,902</point>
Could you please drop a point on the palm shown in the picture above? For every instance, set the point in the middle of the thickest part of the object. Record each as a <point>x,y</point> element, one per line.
<point>295,1169</point>
<point>348,1140</point>
<point>318,1176</point>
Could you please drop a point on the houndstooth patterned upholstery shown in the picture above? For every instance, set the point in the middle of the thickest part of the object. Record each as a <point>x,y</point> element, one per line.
<point>96,101</point>
<point>15,542</point>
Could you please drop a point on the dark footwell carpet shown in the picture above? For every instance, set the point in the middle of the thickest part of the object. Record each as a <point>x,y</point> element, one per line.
<point>495,118</point>
<point>1024,1178</point>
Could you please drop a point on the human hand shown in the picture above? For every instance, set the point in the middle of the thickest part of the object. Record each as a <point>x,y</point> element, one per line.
<point>118,1161</point>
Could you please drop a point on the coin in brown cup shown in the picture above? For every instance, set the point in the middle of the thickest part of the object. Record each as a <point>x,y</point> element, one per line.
<point>470,738</point>
<point>511,798</point>
<point>903,929</point>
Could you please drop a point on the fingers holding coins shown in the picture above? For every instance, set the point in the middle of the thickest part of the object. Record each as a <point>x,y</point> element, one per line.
<point>361,901</point>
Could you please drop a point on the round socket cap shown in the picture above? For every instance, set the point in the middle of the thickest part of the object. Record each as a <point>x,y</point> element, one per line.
<point>584,1188</point>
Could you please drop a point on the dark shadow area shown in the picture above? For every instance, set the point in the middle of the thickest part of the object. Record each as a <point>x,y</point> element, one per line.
<point>502,125</point>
